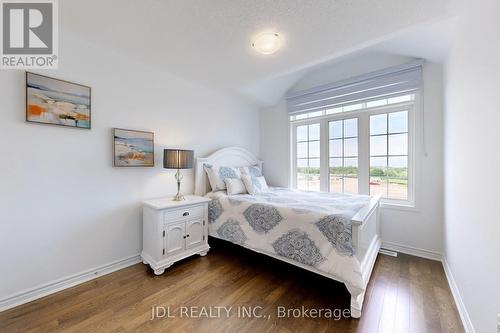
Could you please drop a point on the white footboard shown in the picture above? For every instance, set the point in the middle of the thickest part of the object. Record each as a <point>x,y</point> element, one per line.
<point>366,239</point>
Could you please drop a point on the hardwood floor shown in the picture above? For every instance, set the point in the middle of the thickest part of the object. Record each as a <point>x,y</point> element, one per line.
<point>405,294</point>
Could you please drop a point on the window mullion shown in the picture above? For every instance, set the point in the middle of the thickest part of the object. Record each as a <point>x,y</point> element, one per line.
<point>387,158</point>
<point>293,160</point>
<point>364,154</point>
<point>343,156</point>
<point>324,157</point>
<point>412,135</point>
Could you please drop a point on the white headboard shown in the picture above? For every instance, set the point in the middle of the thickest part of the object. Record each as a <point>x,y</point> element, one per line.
<point>231,156</point>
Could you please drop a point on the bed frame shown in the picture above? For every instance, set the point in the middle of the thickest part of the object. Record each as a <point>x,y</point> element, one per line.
<point>365,224</point>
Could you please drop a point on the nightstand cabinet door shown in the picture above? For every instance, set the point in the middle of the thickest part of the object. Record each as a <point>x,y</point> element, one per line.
<point>174,238</point>
<point>195,233</point>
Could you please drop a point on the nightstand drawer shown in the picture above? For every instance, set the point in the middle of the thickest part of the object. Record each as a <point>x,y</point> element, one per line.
<point>185,213</point>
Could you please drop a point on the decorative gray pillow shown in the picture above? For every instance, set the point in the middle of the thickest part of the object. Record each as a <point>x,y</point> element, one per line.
<point>255,185</point>
<point>217,175</point>
<point>253,170</point>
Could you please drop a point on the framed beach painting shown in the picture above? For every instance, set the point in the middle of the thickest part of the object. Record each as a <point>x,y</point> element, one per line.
<point>133,148</point>
<point>57,102</point>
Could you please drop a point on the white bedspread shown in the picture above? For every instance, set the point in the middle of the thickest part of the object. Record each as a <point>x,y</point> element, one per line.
<point>307,227</point>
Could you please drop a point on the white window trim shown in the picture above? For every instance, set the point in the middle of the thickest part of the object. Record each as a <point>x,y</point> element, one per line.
<point>414,120</point>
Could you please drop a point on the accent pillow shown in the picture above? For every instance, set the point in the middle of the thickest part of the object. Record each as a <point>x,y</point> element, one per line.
<point>255,185</point>
<point>253,170</point>
<point>217,175</point>
<point>235,186</point>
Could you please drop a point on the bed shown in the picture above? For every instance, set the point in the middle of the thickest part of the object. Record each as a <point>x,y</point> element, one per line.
<point>333,235</point>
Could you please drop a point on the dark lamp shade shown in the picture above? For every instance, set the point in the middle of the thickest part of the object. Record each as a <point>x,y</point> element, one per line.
<point>178,159</point>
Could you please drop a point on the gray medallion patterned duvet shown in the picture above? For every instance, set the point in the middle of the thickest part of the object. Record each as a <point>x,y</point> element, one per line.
<point>312,228</point>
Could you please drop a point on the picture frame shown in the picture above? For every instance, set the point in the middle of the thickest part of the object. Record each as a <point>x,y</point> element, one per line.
<point>52,101</point>
<point>133,148</point>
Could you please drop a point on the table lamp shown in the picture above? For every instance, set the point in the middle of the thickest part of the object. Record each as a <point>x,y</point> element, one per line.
<point>178,159</point>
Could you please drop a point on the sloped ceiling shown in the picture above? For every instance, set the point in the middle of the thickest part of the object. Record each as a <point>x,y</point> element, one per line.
<point>208,41</point>
<point>426,41</point>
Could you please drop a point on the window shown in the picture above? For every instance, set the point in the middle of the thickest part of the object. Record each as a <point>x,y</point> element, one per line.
<point>389,155</point>
<point>343,155</point>
<point>307,149</point>
<point>367,150</point>
<point>357,135</point>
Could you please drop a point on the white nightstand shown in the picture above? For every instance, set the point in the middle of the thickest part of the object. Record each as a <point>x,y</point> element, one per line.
<point>174,230</point>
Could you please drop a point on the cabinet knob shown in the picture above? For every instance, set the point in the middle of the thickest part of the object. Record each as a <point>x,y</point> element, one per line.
<point>187,235</point>
<point>185,214</point>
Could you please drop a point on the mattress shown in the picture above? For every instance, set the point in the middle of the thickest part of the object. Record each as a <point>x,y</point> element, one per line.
<point>310,228</point>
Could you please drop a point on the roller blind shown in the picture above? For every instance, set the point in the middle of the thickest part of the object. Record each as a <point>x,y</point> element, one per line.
<point>389,82</point>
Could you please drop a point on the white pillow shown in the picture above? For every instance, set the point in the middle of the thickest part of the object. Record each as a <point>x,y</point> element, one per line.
<point>255,185</point>
<point>217,175</point>
<point>235,186</point>
<point>253,170</point>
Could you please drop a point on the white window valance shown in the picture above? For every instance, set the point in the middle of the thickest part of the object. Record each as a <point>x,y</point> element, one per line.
<point>393,81</point>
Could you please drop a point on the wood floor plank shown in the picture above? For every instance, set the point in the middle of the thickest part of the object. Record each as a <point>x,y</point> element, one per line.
<point>405,294</point>
<point>448,314</point>
<point>402,317</point>
<point>431,307</point>
<point>417,316</point>
<point>390,273</point>
<point>374,303</point>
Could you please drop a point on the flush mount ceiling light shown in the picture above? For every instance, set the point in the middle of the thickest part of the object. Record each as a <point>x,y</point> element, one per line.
<point>267,42</point>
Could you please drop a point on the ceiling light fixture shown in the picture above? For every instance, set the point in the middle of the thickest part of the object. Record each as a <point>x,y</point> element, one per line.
<point>267,43</point>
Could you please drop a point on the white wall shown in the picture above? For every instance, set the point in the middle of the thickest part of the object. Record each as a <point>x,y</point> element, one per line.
<point>472,162</point>
<point>419,228</point>
<point>64,208</point>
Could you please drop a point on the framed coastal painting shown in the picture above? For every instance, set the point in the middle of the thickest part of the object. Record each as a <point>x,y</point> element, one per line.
<point>133,148</point>
<point>57,102</point>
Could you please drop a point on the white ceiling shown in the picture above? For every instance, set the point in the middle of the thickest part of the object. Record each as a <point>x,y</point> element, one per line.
<point>208,41</point>
<point>430,41</point>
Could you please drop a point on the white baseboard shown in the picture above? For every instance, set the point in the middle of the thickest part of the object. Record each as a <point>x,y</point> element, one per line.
<point>64,283</point>
<point>462,310</point>
<point>414,251</point>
